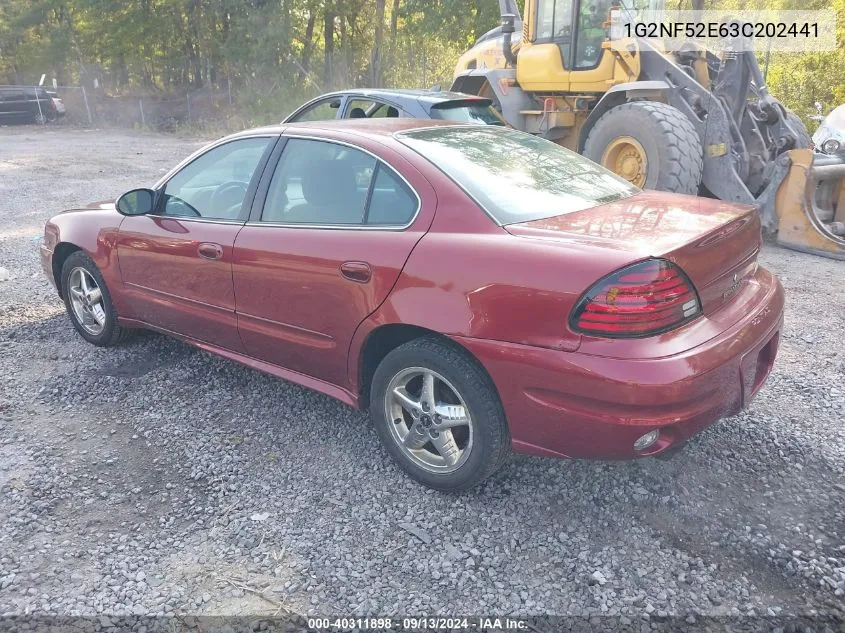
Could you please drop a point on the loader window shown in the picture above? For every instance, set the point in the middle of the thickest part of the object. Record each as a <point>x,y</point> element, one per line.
<point>517,177</point>
<point>554,20</point>
<point>591,32</point>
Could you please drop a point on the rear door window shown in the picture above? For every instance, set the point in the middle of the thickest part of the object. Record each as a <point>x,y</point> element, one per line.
<point>392,203</point>
<point>320,183</point>
<point>370,109</point>
<point>317,182</point>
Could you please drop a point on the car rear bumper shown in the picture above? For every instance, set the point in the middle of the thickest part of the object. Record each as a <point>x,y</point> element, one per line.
<point>572,404</point>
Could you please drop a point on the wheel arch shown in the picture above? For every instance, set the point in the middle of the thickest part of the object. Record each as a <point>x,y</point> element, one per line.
<point>383,339</point>
<point>379,342</point>
<point>619,94</point>
<point>94,231</point>
<point>502,82</point>
<point>61,252</point>
<point>469,83</point>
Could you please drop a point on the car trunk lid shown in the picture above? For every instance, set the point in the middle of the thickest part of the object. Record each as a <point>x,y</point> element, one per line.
<point>714,242</point>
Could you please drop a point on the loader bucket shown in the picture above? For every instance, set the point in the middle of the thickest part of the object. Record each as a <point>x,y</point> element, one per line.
<point>810,204</point>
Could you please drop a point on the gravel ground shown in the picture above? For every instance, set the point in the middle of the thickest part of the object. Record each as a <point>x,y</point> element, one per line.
<point>155,478</point>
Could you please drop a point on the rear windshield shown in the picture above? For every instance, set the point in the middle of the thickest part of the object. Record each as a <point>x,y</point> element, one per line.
<point>517,177</point>
<point>477,111</point>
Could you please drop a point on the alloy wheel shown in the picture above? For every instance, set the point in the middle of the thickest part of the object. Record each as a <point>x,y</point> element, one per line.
<point>86,299</point>
<point>429,419</point>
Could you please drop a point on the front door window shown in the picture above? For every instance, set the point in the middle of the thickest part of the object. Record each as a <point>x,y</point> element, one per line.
<point>325,110</point>
<point>214,185</point>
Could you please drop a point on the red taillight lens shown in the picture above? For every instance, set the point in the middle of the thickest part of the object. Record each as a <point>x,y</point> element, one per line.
<point>646,298</point>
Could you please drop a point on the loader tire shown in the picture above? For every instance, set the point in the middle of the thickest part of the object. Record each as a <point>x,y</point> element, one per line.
<point>673,156</point>
<point>486,91</point>
<point>804,139</point>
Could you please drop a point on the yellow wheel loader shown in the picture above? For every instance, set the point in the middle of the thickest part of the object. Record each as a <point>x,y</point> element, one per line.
<point>688,121</point>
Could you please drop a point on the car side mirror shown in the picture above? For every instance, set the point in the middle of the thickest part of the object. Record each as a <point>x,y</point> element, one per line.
<point>136,202</point>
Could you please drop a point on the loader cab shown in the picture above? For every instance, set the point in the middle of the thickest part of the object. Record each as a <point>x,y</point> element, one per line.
<point>564,37</point>
<point>563,47</point>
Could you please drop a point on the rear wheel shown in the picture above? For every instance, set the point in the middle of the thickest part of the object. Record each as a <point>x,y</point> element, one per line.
<point>438,414</point>
<point>652,145</point>
<point>486,92</point>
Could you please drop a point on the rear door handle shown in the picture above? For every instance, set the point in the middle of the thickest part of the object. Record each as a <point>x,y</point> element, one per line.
<point>356,271</point>
<point>210,250</point>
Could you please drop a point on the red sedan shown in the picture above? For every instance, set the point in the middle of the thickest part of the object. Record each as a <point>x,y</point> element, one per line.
<point>477,288</point>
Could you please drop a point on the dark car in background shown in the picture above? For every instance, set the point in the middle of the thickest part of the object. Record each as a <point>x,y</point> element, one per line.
<point>27,104</point>
<point>382,103</point>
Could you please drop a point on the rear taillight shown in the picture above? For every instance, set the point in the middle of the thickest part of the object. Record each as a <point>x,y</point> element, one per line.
<point>646,298</point>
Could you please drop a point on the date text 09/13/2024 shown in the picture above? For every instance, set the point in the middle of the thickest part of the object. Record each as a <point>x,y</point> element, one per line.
<point>417,623</point>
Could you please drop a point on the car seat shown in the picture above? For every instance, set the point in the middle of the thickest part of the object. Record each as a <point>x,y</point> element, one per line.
<point>330,194</point>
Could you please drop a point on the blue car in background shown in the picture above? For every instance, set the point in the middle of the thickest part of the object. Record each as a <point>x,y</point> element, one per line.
<point>367,103</point>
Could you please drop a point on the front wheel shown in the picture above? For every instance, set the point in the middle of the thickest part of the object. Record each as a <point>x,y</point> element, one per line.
<point>439,415</point>
<point>803,138</point>
<point>89,303</point>
<point>650,144</point>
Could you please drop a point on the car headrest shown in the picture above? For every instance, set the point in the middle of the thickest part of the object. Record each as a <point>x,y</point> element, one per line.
<point>357,113</point>
<point>328,181</point>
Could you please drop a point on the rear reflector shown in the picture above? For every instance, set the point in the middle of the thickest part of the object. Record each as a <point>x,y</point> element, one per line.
<point>646,298</point>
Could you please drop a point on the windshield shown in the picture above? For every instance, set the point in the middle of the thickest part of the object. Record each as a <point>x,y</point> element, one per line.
<point>482,113</point>
<point>517,177</point>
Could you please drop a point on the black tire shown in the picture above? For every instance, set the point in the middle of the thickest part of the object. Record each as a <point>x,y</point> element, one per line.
<point>804,140</point>
<point>491,439</point>
<point>486,91</point>
<point>112,333</point>
<point>672,146</point>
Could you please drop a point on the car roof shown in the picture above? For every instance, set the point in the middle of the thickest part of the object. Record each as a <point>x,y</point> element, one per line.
<point>403,94</point>
<point>380,127</point>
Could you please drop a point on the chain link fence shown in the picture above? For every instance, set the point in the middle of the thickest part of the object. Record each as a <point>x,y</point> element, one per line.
<point>93,107</point>
<point>247,100</point>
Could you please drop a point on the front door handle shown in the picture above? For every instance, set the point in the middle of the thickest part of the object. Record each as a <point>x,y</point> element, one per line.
<point>356,271</point>
<point>210,250</point>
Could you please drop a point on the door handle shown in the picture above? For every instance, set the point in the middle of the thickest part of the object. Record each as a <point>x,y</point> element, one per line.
<point>356,271</point>
<point>210,250</point>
